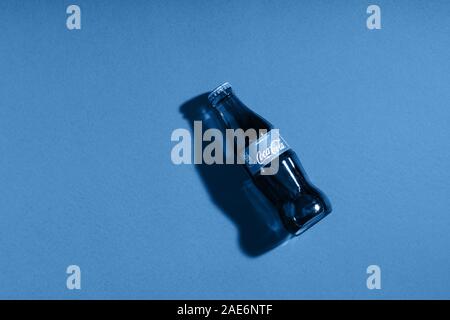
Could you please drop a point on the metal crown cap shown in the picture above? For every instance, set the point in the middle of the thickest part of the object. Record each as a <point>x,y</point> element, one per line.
<point>219,93</point>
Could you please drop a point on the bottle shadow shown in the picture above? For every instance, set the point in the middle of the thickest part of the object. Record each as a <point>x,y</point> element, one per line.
<point>231,189</point>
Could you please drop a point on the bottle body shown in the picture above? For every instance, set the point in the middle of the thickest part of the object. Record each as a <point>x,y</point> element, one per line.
<point>299,203</point>
<point>274,168</point>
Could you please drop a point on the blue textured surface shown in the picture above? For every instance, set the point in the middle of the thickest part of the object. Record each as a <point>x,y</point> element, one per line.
<point>85,124</point>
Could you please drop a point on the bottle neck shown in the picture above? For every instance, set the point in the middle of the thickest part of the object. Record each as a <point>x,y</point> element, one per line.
<point>231,111</point>
<point>236,115</point>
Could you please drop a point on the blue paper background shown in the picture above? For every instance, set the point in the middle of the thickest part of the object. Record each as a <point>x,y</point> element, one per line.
<point>85,124</point>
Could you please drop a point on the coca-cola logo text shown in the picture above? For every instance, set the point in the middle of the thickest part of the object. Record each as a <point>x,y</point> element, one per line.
<point>275,147</point>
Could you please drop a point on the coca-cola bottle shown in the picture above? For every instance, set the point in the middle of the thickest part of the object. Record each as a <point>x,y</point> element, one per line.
<point>274,168</point>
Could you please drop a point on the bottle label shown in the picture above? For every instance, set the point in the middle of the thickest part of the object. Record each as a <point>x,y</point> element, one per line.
<point>264,150</point>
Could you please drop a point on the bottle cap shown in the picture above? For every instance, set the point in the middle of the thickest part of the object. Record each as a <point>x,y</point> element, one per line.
<point>219,93</point>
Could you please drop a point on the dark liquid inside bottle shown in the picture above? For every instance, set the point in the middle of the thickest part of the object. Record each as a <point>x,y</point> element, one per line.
<point>299,203</point>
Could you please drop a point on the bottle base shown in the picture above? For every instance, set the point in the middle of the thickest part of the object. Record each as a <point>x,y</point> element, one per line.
<point>311,222</point>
